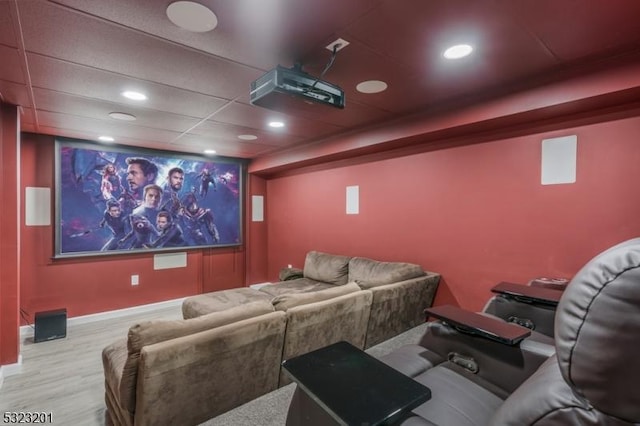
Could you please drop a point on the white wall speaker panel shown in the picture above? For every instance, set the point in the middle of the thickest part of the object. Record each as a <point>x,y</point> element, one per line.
<point>559,156</point>
<point>37,206</point>
<point>257,208</point>
<point>353,199</point>
<point>170,260</point>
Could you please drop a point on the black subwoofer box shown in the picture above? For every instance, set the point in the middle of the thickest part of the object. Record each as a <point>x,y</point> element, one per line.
<point>50,325</point>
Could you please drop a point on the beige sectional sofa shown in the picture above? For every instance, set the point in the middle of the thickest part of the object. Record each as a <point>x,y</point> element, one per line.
<point>184,372</point>
<point>229,347</point>
<point>401,291</point>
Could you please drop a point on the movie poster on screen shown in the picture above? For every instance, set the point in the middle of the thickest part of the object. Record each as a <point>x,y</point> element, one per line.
<point>115,200</point>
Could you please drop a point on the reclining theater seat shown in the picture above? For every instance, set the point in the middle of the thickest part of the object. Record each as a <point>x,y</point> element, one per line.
<point>503,364</point>
<point>591,380</point>
<point>530,307</point>
<point>486,344</point>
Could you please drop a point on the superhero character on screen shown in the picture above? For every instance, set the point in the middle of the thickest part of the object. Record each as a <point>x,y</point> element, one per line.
<point>141,234</point>
<point>150,203</point>
<point>206,178</point>
<point>110,185</point>
<point>170,232</point>
<point>117,224</point>
<point>195,219</point>
<point>140,173</point>
<point>170,199</point>
<point>127,203</point>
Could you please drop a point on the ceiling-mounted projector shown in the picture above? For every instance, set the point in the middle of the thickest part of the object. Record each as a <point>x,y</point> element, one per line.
<point>283,89</point>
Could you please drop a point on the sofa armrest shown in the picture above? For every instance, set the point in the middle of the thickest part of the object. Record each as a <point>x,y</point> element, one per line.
<point>189,379</point>
<point>287,274</point>
<point>399,306</point>
<point>114,357</point>
<point>328,321</point>
<point>118,398</point>
<point>528,294</point>
<point>479,325</point>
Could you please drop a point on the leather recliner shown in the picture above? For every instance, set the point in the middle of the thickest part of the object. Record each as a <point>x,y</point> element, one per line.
<point>464,338</point>
<point>590,380</point>
<point>496,365</point>
<point>529,306</point>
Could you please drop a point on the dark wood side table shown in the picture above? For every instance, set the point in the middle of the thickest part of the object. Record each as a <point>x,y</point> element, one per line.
<point>354,387</point>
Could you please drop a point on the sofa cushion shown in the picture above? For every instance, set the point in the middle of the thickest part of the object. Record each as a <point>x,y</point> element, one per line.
<point>370,273</point>
<point>114,357</point>
<point>187,380</point>
<point>328,268</point>
<point>299,285</point>
<point>150,332</point>
<point>286,301</point>
<point>217,301</point>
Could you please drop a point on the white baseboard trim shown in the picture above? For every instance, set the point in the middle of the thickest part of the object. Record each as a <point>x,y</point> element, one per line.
<point>27,330</point>
<point>10,369</point>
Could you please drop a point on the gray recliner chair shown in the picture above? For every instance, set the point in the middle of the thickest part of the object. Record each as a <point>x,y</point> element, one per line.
<point>499,348</point>
<point>590,380</point>
<point>532,307</point>
<point>497,365</point>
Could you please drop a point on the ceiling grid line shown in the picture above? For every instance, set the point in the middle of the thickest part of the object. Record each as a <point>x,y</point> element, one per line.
<point>15,11</point>
<point>205,119</point>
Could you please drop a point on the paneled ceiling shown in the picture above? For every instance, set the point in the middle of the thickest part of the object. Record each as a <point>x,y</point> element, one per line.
<point>66,63</point>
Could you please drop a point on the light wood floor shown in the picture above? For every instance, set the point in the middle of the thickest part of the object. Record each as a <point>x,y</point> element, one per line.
<point>64,376</point>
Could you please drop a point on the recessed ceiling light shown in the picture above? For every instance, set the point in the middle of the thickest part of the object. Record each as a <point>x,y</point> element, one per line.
<point>122,116</point>
<point>276,124</point>
<point>247,137</point>
<point>105,138</point>
<point>371,86</point>
<point>458,51</point>
<point>136,96</point>
<point>192,16</point>
<point>209,151</point>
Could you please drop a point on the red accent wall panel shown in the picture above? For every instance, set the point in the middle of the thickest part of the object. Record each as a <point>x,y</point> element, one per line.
<point>256,235</point>
<point>9,236</point>
<point>477,214</point>
<point>223,269</point>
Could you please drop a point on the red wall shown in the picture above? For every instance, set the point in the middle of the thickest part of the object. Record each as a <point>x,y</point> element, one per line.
<point>256,234</point>
<point>96,284</point>
<point>476,214</point>
<point>9,238</point>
